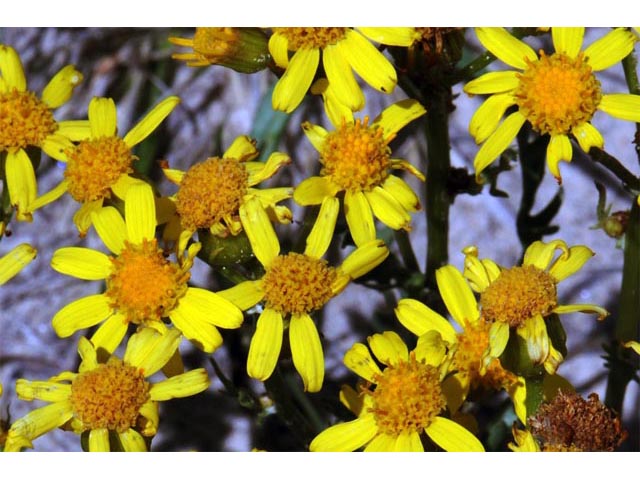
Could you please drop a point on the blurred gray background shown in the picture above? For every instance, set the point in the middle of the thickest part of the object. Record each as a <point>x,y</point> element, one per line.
<point>218,105</point>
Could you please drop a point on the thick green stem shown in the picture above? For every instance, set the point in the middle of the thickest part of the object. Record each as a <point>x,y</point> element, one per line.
<point>438,199</point>
<point>622,363</point>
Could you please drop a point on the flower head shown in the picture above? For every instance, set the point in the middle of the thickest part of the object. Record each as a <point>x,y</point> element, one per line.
<point>111,399</point>
<point>101,164</point>
<point>343,49</point>
<point>15,260</point>
<point>356,159</point>
<point>399,403</point>
<point>295,285</point>
<point>517,300</point>
<point>212,193</point>
<point>558,94</point>
<point>242,49</point>
<point>27,121</point>
<point>142,286</point>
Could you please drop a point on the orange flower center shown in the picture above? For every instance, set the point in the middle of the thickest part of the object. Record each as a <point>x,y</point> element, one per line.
<point>95,165</point>
<point>407,397</point>
<point>144,285</point>
<point>109,396</point>
<point>518,294</point>
<point>211,191</point>
<point>215,42</point>
<point>356,156</point>
<point>311,37</point>
<point>558,93</point>
<point>24,120</point>
<point>296,283</point>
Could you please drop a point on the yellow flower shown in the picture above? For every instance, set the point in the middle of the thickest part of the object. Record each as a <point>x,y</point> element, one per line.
<point>344,49</point>
<point>516,300</point>
<point>356,159</point>
<point>212,193</point>
<point>99,165</point>
<point>408,399</point>
<point>108,400</point>
<point>294,285</point>
<point>469,344</point>
<point>242,49</point>
<point>26,120</point>
<point>557,94</point>
<point>13,262</point>
<point>142,286</point>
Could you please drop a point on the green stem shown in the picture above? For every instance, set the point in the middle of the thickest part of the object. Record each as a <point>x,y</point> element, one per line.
<point>614,166</point>
<point>630,67</point>
<point>438,199</point>
<point>406,250</point>
<point>622,363</point>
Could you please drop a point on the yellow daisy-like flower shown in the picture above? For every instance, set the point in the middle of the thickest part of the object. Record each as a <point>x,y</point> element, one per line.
<point>356,159</point>
<point>293,286</point>
<point>344,49</point>
<point>516,300</point>
<point>469,344</point>
<point>557,94</point>
<point>111,400</point>
<point>14,261</point>
<point>99,166</point>
<point>142,286</point>
<point>399,403</point>
<point>27,121</point>
<point>212,193</point>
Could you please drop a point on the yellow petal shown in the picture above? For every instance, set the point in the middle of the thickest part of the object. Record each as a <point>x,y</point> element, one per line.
<point>180,386</point>
<point>567,40</point>
<point>587,136</point>
<point>110,227</point>
<point>341,79</point>
<point>388,348</point>
<point>244,295</point>
<point>567,265</point>
<point>58,91</point>
<point>51,196</point>
<point>540,254</point>
<point>493,83</point>
<point>15,260</point>
<point>383,442</point>
<point>243,148</point>
<point>110,333</point>
<point>398,115</point>
<point>337,111</point>
<point>123,184</point>
<point>82,313</point>
<point>430,348</point>
<point>174,175</point>
<point>56,146</point>
<point>487,117</point>
<point>345,437</point>
<point>479,273</point>
<point>150,418</point>
<point>621,105</point>
<point>313,190</point>
<point>584,308</point>
<point>387,209</point>
<point>358,359</point>
<point>315,134</point>
<point>265,345</point>
<point>364,258</point>
<point>534,331</point>
<point>402,192</point>
<point>498,338</point>
<point>397,36</point>
<point>635,346</point>
<point>11,69</point>
<point>46,391</point>
<point>408,442</point>
<point>498,142</point>
<point>268,169</point>
<point>151,121</point>
<point>297,78</point>
<point>150,350</point>
<point>83,216</point>
<point>102,117</point>
<point>610,49</point>
<point>36,423</point>
<point>368,62</point>
<point>322,232</point>
<point>559,149</point>
<point>99,440</point>
<point>21,183</point>
<point>74,130</point>
<point>140,213</point>
<point>208,307</point>
<point>452,437</point>
<point>259,230</point>
<point>88,354</point>
<point>132,441</point>
<point>279,49</point>
<point>359,217</point>
<point>457,295</point>
<point>506,47</point>
<point>419,319</point>
<point>306,351</point>
<point>80,262</point>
